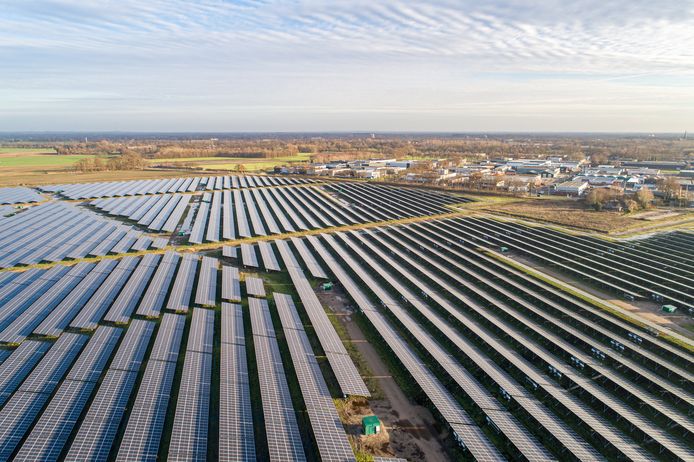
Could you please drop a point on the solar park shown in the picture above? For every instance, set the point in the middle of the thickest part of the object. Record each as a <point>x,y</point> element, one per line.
<point>125,336</point>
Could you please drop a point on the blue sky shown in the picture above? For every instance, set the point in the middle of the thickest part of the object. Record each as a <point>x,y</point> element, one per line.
<point>353,65</point>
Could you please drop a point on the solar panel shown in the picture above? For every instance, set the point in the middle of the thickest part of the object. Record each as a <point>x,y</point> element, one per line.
<point>132,349</point>
<point>99,427</point>
<point>18,414</point>
<point>331,441</point>
<point>255,287</point>
<point>173,219</point>
<point>145,425</point>
<point>215,217</point>
<point>265,211</point>
<point>206,293</point>
<point>179,298</point>
<point>127,300</point>
<point>153,300</point>
<point>228,231</point>
<point>244,229</point>
<point>29,294</point>
<point>62,314</point>
<point>197,233</point>
<point>248,255</point>
<point>236,440</point>
<point>268,256</point>
<point>190,426</point>
<point>97,305</point>
<point>346,373</point>
<point>18,365</point>
<point>22,323</point>
<point>283,435</point>
<point>313,266</point>
<point>230,251</point>
<point>469,434</point>
<point>50,434</point>
<point>231,284</point>
<point>201,332</point>
<point>91,362</point>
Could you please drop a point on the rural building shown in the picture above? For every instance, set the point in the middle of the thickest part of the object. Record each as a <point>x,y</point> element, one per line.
<point>656,164</point>
<point>572,188</point>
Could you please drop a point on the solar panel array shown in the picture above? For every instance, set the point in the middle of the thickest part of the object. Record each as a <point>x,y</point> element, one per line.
<point>179,297</point>
<point>514,367</point>
<point>236,435</point>
<point>346,373</point>
<point>153,300</point>
<point>255,287</point>
<point>664,275</point>
<point>142,435</point>
<point>97,429</point>
<point>373,202</point>
<point>19,196</point>
<point>452,412</point>
<point>190,425</point>
<point>206,294</point>
<point>281,427</point>
<point>22,408</point>
<point>17,321</point>
<point>156,213</point>
<point>52,431</point>
<point>331,438</point>
<point>231,284</point>
<point>56,231</point>
<point>568,346</point>
<point>161,186</point>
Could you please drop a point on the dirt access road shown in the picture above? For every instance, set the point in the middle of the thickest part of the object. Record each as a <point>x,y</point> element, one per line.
<point>411,429</point>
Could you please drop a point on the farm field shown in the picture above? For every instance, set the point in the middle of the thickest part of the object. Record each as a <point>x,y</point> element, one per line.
<point>232,163</point>
<point>31,167</point>
<point>230,317</point>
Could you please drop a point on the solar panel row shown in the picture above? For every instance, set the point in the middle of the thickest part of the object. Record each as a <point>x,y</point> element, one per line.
<point>55,231</point>
<point>255,287</point>
<point>20,411</point>
<point>468,433</point>
<point>50,433</point>
<point>142,435</point>
<point>346,373</point>
<point>99,426</point>
<point>206,294</point>
<point>231,283</point>
<point>190,427</point>
<point>179,297</point>
<point>19,196</point>
<point>281,427</point>
<point>236,435</point>
<point>331,439</point>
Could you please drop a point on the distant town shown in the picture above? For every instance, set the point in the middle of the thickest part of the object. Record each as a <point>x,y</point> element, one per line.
<point>667,180</point>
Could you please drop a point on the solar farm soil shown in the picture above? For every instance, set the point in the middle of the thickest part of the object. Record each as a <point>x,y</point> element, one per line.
<point>411,431</point>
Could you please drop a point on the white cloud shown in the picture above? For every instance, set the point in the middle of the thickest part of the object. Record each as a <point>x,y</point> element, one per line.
<point>393,58</point>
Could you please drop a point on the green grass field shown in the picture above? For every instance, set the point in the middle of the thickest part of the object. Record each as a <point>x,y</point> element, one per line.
<point>21,151</point>
<point>45,161</point>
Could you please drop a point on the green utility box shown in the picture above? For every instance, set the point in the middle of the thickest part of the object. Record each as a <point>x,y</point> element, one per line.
<point>669,308</point>
<point>327,285</point>
<point>371,425</point>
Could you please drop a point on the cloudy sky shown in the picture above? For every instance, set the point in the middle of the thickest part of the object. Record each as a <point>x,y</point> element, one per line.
<point>347,65</point>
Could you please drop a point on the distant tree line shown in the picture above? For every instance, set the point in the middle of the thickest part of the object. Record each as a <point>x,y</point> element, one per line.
<point>129,160</point>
